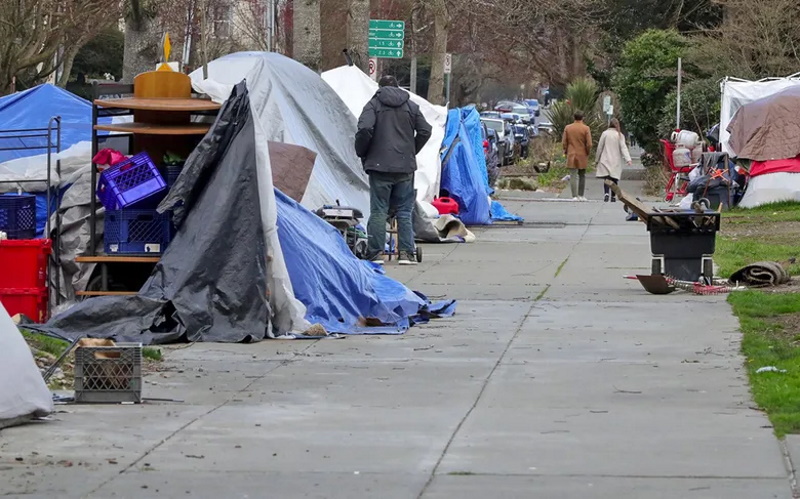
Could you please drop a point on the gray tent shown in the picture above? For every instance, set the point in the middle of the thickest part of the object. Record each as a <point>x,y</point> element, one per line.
<point>23,393</point>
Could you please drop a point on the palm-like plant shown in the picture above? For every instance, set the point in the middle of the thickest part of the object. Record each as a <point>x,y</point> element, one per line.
<point>581,95</point>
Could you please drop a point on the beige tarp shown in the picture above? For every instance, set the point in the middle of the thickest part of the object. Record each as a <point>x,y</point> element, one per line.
<point>768,128</point>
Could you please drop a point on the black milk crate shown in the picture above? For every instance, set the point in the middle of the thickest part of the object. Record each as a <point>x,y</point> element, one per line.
<point>18,215</point>
<point>136,232</point>
<point>108,375</point>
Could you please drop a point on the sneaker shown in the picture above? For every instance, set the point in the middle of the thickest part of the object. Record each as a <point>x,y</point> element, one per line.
<point>576,198</point>
<point>613,199</point>
<point>407,259</point>
<point>583,198</point>
<point>606,198</point>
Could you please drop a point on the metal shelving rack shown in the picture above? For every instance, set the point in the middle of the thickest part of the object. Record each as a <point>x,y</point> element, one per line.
<point>51,135</point>
<point>162,108</point>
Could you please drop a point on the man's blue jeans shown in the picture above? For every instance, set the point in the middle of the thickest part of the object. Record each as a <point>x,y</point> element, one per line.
<point>390,193</point>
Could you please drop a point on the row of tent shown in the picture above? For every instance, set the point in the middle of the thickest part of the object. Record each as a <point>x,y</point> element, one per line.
<point>310,276</point>
<point>760,122</point>
<point>249,259</point>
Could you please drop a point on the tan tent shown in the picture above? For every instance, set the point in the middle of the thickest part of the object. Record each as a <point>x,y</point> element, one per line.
<point>768,128</point>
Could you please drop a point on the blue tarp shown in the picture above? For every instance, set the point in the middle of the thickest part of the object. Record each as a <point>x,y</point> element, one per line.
<point>472,124</point>
<point>464,174</point>
<point>461,172</point>
<point>34,108</point>
<point>338,289</point>
<point>500,214</point>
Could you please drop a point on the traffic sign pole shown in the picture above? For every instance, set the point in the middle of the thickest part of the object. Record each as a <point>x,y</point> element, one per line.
<point>373,68</point>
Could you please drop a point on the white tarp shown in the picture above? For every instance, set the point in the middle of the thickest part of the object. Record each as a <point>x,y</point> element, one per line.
<point>23,393</point>
<point>771,188</point>
<point>295,106</point>
<point>35,168</point>
<point>356,89</point>
<point>736,93</point>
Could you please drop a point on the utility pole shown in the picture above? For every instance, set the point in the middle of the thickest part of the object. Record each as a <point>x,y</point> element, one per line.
<point>413,83</point>
<point>680,77</point>
<point>269,24</point>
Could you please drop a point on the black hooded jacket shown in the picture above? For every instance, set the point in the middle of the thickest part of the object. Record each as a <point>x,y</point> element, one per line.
<point>391,131</point>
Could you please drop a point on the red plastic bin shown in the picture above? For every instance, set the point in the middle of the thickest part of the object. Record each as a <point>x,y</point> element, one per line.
<point>23,263</point>
<point>31,302</point>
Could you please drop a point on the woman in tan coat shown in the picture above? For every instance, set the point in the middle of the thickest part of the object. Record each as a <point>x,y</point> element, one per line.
<point>611,152</point>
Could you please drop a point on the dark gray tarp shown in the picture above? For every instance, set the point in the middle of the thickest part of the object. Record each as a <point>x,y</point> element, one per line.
<point>210,284</point>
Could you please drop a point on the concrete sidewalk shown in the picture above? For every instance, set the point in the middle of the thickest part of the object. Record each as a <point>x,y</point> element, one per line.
<point>557,379</point>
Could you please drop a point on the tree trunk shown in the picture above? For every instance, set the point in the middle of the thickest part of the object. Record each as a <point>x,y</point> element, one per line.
<point>441,23</point>
<point>307,33</point>
<point>69,60</point>
<point>358,32</point>
<point>141,48</point>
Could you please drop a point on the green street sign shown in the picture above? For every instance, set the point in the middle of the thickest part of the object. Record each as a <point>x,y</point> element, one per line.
<point>376,43</point>
<point>386,53</point>
<point>387,34</point>
<point>384,24</point>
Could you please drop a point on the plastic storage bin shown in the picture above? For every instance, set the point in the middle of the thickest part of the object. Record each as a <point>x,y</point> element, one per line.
<point>109,375</point>
<point>23,263</point>
<point>136,232</point>
<point>31,302</point>
<point>18,215</point>
<point>130,182</point>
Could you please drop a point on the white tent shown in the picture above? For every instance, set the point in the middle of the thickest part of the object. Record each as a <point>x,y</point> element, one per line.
<point>295,106</point>
<point>736,93</point>
<point>23,393</point>
<point>356,89</point>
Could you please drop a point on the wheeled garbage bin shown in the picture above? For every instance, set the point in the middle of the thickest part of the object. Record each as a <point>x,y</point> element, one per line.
<point>683,248</point>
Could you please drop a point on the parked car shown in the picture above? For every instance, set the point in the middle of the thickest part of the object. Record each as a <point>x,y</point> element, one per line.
<point>515,108</point>
<point>533,106</point>
<point>522,136</point>
<point>547,127</point>
<point>505,139</point>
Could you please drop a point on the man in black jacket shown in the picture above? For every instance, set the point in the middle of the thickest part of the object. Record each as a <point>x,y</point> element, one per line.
<point>391,131</point>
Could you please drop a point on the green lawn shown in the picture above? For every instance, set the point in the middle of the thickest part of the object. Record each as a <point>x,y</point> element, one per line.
<point>770,233</point>
<point>770,321</point>
<point>771,338</point>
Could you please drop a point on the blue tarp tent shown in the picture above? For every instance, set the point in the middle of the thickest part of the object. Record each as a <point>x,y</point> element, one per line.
<point>338,289</point>
<point>462,177</point>
<point>34,108</point>
<point>464,174</point>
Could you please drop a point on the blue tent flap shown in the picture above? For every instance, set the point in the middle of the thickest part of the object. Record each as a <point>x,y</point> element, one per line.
<point>341,292</point>
<point>33,109</point>
<point>500,214</point>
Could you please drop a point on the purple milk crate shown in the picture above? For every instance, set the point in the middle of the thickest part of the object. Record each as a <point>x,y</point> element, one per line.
<point>130,182</point>
<point>18,215</point>
<point>136,232</point>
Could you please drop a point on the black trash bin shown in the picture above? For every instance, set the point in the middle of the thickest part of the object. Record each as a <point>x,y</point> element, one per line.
<point>683,251</point>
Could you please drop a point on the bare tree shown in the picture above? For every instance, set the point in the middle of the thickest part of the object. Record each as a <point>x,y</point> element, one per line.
<point>358,32</point>
<point>44,35</point>
<point>142,37</point>
<point>307,33</point>
<point>441,25</point>
<point>757,38</point>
